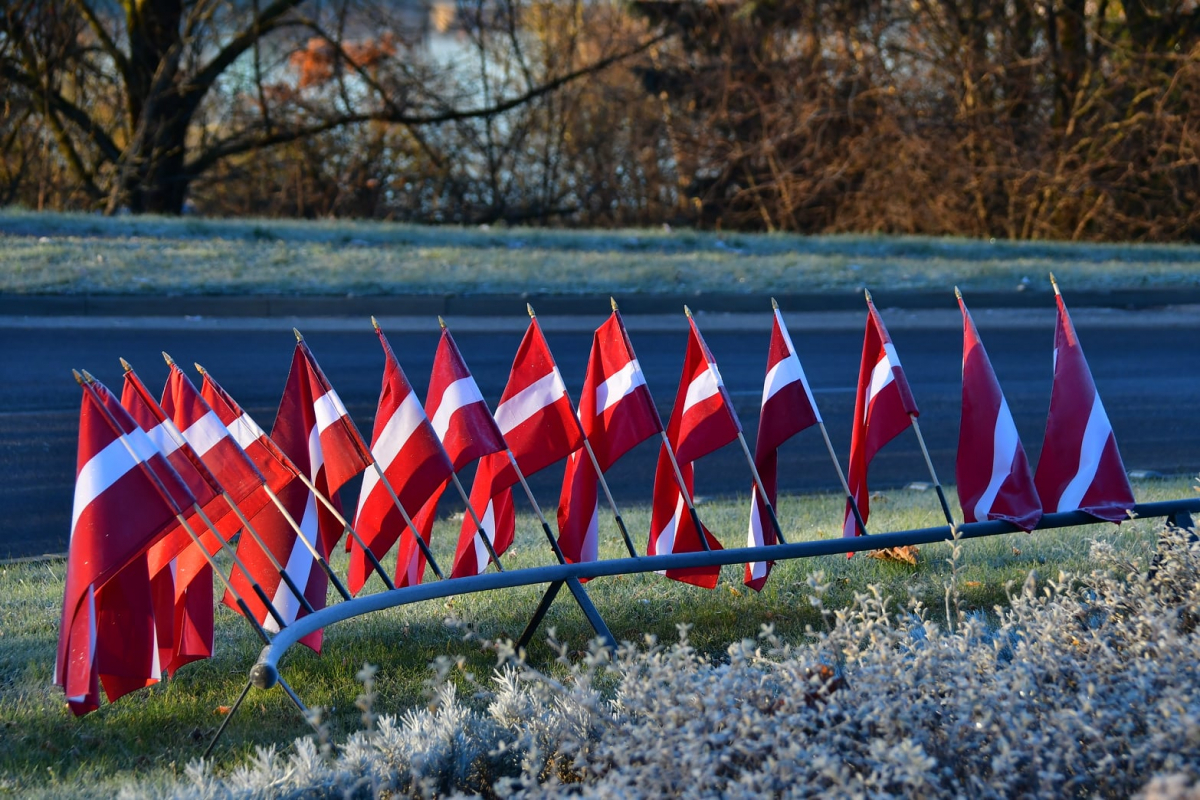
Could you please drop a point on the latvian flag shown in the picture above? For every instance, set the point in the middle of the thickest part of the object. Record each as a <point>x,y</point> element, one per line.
<point>883,409</point>
<point>407,449</point>
<point>461,420</point>
<point>536,420</point>
<point>313,429</point>
<point>1080,467</point>
<point>616,413</point>
<point>788,407</point>
<point>994,481</point>
<point>702,421</point>
<point>119,511</point>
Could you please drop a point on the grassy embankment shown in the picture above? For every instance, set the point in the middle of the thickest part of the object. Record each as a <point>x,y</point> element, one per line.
<point>157,731</point>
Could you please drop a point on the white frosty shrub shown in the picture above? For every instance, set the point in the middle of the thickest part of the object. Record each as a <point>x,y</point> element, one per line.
<point>1082,686</point>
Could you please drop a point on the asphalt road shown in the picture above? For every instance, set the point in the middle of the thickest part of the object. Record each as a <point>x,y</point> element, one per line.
<point>1148,377</point>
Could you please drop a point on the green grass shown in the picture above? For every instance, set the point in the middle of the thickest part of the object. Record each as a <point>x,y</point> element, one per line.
<point>77,253</point>
<point>155,732</point>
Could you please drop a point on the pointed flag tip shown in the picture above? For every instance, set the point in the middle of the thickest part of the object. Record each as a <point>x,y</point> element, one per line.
<point>957,293</point>
<point>78,377</point>
<point>687,311</point>
<point>374,323</point>
<point>1054,284</point>
<point>299,338</point>
<point>867,294</point>
<point>613,302</point>
<point>441,322</point>
<point>87,376</point>
<point>529,308</point>
<point>124,365</point>
<point>167,357</point>
<point>199,368</point>
<point>774,304</point>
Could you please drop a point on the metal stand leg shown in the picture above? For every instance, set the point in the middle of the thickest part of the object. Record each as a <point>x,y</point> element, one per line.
<point>539,615</point>
<point>228,718</point>
<point>585,605</point>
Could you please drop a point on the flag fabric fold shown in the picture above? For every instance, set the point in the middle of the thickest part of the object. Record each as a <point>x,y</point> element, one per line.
<point>462,422</point>
<point>992,472</point>
<point>788,407</point>
<point>1080,467</point>
<point>702,421</point>
<point>119,511</point>
<point>412,458</point>
<point>883,409</point>
<point>537,422</point>
<point>313,429</point>
<point>616,413</point>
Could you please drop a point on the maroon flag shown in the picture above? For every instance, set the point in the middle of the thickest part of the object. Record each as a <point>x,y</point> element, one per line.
<point>787,408</point>
<point>702,421</point>
<point>412,458</point>
<point>119,511</point>
<point>882,409</point>
<point>994,481</point>
<point>1080,467</point>
<point>616,413</point>
<point>536,420</point>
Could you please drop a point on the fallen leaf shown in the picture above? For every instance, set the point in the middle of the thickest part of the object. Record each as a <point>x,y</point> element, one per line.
<point>972,584</point>
<point>905,555</point>
<point>222,709</point>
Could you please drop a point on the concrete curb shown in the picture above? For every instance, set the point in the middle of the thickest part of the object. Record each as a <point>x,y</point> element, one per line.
<point>460,305</point>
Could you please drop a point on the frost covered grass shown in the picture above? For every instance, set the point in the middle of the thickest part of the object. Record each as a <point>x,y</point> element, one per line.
<point>155,733</point>
<point>77,253</point>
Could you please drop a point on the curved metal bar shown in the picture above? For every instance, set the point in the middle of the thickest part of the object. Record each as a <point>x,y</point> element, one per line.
<point>265,673</point>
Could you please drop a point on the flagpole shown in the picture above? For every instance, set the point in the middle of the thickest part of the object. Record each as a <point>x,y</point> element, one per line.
<point>862,526</point>
<point>929,463</point>
<point>479,529</point>
<point>299,473</point>
<point>761,491</point>
<point>536,508</point>
<point>86,381</point>
<point>596,464</point>
<point>683,490</point>
<point>283,573</point>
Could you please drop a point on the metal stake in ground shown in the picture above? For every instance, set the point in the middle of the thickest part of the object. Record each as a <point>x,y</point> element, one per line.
<point>596,464</point>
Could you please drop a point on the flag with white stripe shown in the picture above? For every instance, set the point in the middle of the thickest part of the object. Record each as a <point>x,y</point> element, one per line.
<point>788,407</point>
<point>616,413</point>
<point>702,420</point>
<point>992,472</point>
<point>416,465</point>
<point>1080,467</point>
<point>462,421</point>
<point>118,513</point>
<point>313,429</point>
<point>536,420</point>
<point>882,408</point>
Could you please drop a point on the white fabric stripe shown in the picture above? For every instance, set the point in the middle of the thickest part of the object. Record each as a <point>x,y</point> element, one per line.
<point>1095,436</point>
<point>882,374</point>
<point>299,565</point>
<point>489,526</point>
<point>1004,450</point>
<point>542,393</point>
<point>100,472</point>
<point>618,385</point>
<point>786,371</point>
<point>665,543</point>
<point>787,338</point>
<point>329,409</point>
<point>463,392</point>
<point>205,433</point>
<point>245,430</point>
<point>395,434</point>
<point>160,434</point>
<point>91,656</point>
<point>590,549</point>
<point>702,387</point>
<point>754,537</point>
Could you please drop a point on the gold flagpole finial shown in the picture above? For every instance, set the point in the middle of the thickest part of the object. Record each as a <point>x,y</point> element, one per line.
<point>374,324</point>
<point>957,293</point>
<point>529,308</point>
<point>1054,283</point>
<point>774,304</point>
<point>867,294</point>
<point>199,368</point>
<point>613,302</point>
<point>87,376</point>
<point>167,357</point>
<point>124,365</point>
<point>687,311</point>
<point>299,338</point>
<point>78,377</point>
<point>441,322</point>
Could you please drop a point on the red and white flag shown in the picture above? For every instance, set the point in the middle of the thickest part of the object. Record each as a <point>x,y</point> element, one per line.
<point>258,447</point>
<point>787,408</point>
<point>187,586</point>
<point>536,420</point>
<point>314,430</point>
<point>616,413</point>
<point>994,481</point>
<point>414,461</point>
<point>465,426</point>
<point>702,420</point>
<point>119,511</point>
<point>1080,467</point>
<point>883,409</point>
